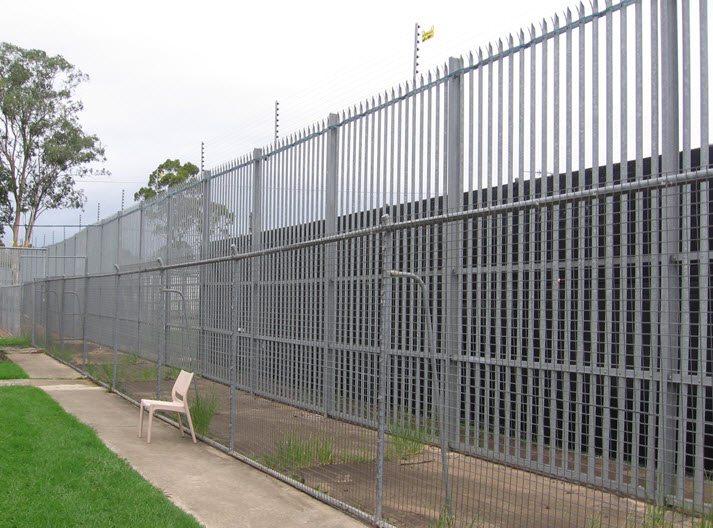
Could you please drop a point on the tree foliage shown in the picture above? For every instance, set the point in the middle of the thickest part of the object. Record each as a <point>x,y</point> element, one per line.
<point>43,149</point>
<point>184,238</point>
<point>168,174</point>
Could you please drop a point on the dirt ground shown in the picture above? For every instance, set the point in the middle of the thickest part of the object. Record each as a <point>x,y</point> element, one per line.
<point>339,459</point>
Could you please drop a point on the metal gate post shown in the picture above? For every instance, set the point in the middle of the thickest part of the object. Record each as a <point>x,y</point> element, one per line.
<point>330,266</point>
<point>382,380</point>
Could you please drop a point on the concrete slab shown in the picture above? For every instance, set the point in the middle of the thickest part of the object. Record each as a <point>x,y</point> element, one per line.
<point>217,489</point>
<point>39,365</point>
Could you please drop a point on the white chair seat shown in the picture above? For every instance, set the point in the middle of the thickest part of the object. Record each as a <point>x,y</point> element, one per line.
<point>178,404</point>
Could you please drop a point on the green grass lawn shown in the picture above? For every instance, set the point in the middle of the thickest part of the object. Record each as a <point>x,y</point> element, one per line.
<point>54,471</point>
<point>10,370</point>
<point>17,341</point>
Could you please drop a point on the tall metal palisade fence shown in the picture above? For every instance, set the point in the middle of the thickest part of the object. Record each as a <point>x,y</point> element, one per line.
<point>510,258</point>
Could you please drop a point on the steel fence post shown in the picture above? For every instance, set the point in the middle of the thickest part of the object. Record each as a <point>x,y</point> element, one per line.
<point>256,243</point>
<point>453,250</point>
<point>204,253</point>
<point>84,313</point>
<point>382,374</point>
<point>233,345</point>
<point>670,235</point>
<point>46,290</point>
<point>330,265</point>
<point>138,289</point>
<point>164,334</point>
<point>61,316</point>
<point>34,312</point>
<point>115,336</point>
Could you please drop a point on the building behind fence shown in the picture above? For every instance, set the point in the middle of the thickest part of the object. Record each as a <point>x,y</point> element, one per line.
<point>482,299</point>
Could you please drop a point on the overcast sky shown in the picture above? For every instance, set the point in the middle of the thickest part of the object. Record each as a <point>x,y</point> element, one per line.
<point>165,76</point>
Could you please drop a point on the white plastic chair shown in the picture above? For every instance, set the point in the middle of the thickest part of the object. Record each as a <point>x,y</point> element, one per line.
<point>179,405</point>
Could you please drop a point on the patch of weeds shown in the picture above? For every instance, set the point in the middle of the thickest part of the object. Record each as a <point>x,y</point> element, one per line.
<point>172,373</point>
<point>655,517</point>
<point>107,371</point>
<point>406,440</point>
<point>130,359</point>
<point>294,451</point>
<point>359,457</point>
<point>446,519</point>
<point>56,351</point>
<point>202,410</point>
<point>92,370</point>
<point>149,373</point>
<point>706,521</point>
<point>595,521</point>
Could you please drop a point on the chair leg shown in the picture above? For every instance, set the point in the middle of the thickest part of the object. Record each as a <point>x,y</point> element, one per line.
<point>141,419</point>
<point>190,424</point>
<point>180,423</point>
<point>148,438</point>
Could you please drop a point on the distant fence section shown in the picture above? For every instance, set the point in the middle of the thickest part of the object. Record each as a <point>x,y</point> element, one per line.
<point>483,299</point>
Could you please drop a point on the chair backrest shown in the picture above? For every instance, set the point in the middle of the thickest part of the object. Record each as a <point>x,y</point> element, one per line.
<point>180,388</point>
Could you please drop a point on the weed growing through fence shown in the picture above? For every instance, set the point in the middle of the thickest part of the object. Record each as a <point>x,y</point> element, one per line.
<point>149,373</point>
<point>202,410</point>
<point>130,359</point>
<point>406,440</point>
<point>294,451</point>
<point>706,521</point>
<point>361,456</point>
<point>595,521</point>
<point>655,517</point>
<point>446,519</point>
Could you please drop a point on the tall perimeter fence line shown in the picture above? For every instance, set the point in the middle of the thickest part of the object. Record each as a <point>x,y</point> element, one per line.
<point>482,299</point>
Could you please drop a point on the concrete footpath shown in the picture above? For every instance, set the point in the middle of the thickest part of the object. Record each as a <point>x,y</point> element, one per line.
<point>218,490</point>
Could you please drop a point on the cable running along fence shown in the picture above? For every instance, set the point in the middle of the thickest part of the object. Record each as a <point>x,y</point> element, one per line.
<point>480,300</point>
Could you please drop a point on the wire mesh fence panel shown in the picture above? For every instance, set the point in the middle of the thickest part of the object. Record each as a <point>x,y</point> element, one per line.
<point>479,299</point>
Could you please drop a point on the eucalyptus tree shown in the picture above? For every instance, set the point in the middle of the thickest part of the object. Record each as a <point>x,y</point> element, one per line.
<point>43,148</point>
